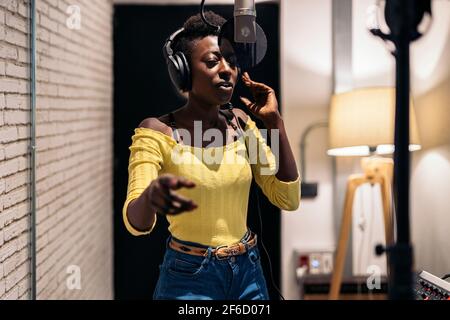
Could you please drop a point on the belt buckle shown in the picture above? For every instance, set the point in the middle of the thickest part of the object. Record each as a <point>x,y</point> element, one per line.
<point>232,252</point>
<point>217,250</point>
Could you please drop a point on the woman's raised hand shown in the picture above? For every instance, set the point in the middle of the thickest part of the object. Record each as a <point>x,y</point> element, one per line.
<point>265,104</point>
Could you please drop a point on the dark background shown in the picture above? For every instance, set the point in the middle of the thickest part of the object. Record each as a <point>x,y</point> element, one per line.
<point>142,89</point>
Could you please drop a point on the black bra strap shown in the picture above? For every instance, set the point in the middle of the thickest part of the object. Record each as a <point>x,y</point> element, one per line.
<point>229,116</point>
<point>172,120</point>
<point>176,134</point>
<point>227,113</point>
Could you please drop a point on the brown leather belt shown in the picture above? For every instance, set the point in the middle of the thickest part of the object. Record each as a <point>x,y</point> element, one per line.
<point>221,252</point>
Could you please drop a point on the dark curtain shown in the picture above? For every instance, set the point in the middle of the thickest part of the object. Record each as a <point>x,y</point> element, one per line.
<point>142,89</point>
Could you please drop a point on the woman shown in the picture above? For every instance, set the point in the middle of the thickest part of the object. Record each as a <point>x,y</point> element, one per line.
<point>210,253</point>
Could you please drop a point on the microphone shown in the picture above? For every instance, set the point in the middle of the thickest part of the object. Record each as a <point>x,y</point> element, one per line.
<point>244,21</point>
<point>242,37</point>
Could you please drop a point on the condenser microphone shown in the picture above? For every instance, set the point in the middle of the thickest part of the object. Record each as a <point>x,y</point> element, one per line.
<point>242,38</point>
<point>244,21</point>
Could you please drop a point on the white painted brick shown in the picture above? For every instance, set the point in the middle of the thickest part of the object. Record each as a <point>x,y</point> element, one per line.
<point>42,255</point>
<point>53,3</point>
<point>1,204</point>
<point>2,287</point>
<point>48,23</point>
<point>15,276</point>
<point>58,41</point>
<point>23,240</point>
<point>26,296</point>
<point>7,250</point>
<point>14,213</point>
<point>16,196</point>
<point>8,167</point>
<point>24,287</point>
<point>16,117</point>
<point>10,264</point>
<point>41,215</point>
<point>16,38</point>
<point>42,116</point>
<point>9,85</point>
<point>2,68</point>
<point>8,134</point>
<point>2,17</point>
<point>2,101</point>
<point>47,224</point>
<point>42,7</point>
<point>15,101</point>
<point>44,267</point>
<point>23,10</point>
<point>13,294</point>
<point>2,185</point>
<point>23,132</point>
<point>62,6</point>
<point>2,33</point>
<point>42,241</point>
<point>23,55</point>
<point>16,22</point>
<point>16,149</point>
<point>40,285</point>
<point>57,15</point>
<point>24,163</point>
<point>47,89</point>
<point>10,5</point>
<point>16,180</point>
<point>8,51</point>
<point>15,229</point>
<point>23,256</point>
<point>17,71</point>
<point>42,46</point>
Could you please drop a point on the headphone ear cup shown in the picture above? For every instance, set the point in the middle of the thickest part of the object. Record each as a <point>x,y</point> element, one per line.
<point>173,66</point>
<point>185,71</point>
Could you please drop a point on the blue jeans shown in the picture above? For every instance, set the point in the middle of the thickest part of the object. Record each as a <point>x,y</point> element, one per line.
<point>188,277</point>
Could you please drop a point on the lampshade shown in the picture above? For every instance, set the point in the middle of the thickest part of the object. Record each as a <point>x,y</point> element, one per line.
<point>362,123</point>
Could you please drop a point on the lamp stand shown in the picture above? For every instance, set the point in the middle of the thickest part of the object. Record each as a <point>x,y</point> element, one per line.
<point>376,170</point>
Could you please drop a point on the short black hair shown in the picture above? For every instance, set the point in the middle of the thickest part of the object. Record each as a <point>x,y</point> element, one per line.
<point>196,29</point>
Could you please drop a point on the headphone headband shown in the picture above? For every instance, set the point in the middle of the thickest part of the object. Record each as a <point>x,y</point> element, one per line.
<point>177,64</point>
<point>167,46</point>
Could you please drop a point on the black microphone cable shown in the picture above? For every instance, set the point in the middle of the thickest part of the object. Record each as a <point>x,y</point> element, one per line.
<point>202,13</point>
<point>264,247</point>
<point>230,107</point>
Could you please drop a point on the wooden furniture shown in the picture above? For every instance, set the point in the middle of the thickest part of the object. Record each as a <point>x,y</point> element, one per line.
<point>376,170</point>
<point>316,287</point>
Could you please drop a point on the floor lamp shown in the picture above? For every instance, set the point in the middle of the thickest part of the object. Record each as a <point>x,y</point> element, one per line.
<point>362,124</point>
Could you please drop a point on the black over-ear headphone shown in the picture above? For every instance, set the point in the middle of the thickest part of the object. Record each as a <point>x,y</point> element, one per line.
<point>177,64</point>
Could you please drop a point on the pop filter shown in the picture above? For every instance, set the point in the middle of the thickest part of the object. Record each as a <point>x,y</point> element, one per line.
<point>248,55</point>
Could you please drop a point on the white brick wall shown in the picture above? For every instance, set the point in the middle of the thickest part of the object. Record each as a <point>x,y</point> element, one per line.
<point>14,159</point>
<point>74,161</point>
<point>74,150</point>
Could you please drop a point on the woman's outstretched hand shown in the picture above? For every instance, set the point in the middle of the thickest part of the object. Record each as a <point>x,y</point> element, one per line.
<point>164,200</point>
<point>265,105</point>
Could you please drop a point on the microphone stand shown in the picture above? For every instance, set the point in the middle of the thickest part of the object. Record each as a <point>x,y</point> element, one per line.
<point>403,18</point>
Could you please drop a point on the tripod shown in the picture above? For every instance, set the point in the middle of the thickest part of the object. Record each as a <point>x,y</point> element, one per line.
<point>376,170</point>
<point>403,19</point>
